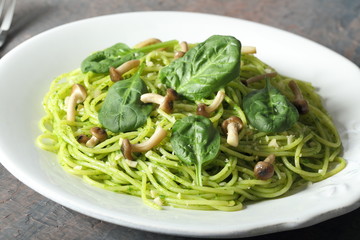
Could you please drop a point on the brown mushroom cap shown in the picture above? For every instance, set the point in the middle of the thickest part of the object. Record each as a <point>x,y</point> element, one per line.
<point>231,127</point>
<point>126,149</point>
<point>99,133</point>
<point>264,170</point>
<point>79,91</point>
<point>82,139</point>
<point>201,110</point>
<point>299,102</point>
<point>114,75</point>
<point>301,105</point>
<point>167,104</point>
<point>231,120</point>
<point>179,54</point>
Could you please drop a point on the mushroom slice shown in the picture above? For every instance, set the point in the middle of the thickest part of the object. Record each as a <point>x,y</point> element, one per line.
<point>78,95</point>
<point>98,135</point>
<point>264,170</point>
<point>299,102</point>
<point>127,148</point>
<point>117,73</point>
<point>166,103</point>
<point>205,111</point>
<point>231,127</point>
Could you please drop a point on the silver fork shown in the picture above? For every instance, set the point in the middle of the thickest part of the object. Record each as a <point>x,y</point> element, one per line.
<point>9,7</point>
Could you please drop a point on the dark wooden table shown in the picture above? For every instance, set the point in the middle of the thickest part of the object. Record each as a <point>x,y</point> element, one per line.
<point>25,214</point>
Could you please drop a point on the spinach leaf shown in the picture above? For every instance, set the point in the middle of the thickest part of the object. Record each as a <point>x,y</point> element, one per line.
<point>268,110</point>
<point>205,68</point>
<point>195,141</point>
<point>114,56</point>
<point>100,62</point>
<point>122,109</point>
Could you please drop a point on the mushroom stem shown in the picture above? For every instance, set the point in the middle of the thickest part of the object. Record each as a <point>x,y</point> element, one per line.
<point>206,110</point>
<point>92,141</point>
<point>154,140</point>
<point>300,103</point>
<point>165,102</point>
<point>152,98</point>
<point>147,42</point>
<point>233,135</point>
<point>98,135</point>
<point>259,77</point>
<point>270,158</point>
<point>216,103</point>
<point>184,47</point>
<point>231,127</point>
<point>78,95</point>
<point>248,49</point>
<point>71,112</point>
<point>127,148</point>
<point>116,74</point>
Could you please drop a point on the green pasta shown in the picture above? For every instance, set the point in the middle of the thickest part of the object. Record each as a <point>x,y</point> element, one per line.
<point>309,151</point>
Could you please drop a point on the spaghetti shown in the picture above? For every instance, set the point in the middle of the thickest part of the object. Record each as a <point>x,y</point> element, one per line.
<point>308,152</point>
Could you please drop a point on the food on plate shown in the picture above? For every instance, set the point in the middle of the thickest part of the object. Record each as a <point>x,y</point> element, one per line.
<point>204,126</point>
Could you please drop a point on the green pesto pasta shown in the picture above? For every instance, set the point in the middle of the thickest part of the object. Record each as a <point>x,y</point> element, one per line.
<point>309,151</point>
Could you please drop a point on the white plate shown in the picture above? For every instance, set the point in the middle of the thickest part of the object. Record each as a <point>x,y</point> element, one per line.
<point>26,73</point>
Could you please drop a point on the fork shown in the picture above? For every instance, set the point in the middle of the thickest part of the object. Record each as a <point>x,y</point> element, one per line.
<point>9,7</point>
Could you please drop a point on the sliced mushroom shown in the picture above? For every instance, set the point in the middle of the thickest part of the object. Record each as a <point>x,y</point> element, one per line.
<point>205,111</point>
<point>127,148</point>
<point>264,170</point>
<point>166,103</point>
<point>98,135</point>
<point>231,127</point>
<point>259,77</point>
<point>116,73</point>
<point>299,102</point>
<point>78,95</point>
<point>248,49</point>
<point>147,42</point>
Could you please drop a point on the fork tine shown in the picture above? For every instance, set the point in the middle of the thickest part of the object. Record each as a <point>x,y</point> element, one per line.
<point>5,26</point>
<point>2,6</point>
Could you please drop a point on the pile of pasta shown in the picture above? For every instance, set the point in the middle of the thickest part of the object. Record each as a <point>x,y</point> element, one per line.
<point>309,151</point>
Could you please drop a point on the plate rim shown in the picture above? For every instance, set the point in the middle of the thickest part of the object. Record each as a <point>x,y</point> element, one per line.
<point>301,222</point>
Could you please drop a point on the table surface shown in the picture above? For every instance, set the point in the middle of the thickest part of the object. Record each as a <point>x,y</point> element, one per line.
<point>25,214</point>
